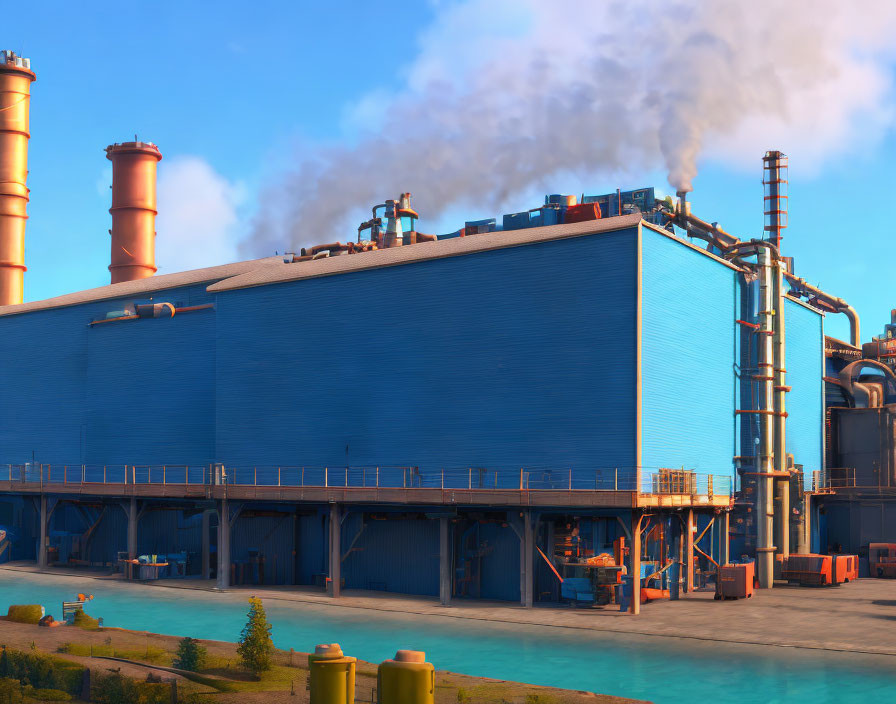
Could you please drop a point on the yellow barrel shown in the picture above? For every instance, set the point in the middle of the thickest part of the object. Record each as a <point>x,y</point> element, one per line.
<point>332,675</point>
<point>408,679</point>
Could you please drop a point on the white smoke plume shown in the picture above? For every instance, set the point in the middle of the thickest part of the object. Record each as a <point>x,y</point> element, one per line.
<point>504,95</point>
<point>198,222</point>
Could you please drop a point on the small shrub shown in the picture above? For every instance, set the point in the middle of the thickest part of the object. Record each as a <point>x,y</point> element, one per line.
<point>47,695</point>
<point>115,689</point>
<point>462,696</point>
<point>190,655</point>
<point>85,621</point>
<point>256,647</point>
<point>25,613</point>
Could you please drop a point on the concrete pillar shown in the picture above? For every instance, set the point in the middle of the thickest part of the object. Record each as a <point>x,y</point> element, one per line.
<point>445,546</point>
<point>206,544</point>
<point>806,534</point>
<point>689,552</point>
<point>42,545</point>
<point>334,587</point>
<point>223,544</point>
<point>782,516</point>
<point>635,559</point>
<point>527,567</point>
<point>132,529</point>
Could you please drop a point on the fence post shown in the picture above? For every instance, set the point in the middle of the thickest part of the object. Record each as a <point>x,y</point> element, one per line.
<point>616,479</point>
<point>278,476</point>
<point>326,478</point>
<point>346,475</point>
<point>470,478</point>
<point>377,477</point>
<point>164,477</point>
<point>443,477</point>
<point>104,474</point>
<point>570,478</point>
<point>521,478</point>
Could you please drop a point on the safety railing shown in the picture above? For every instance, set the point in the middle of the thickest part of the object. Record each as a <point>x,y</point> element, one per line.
<point>834,478</point>
<point>627,479</point>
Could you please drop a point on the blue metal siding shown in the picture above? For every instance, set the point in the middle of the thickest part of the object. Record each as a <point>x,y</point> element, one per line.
<point>688,353</point>
<point>108,394</point>
<point>508,358</point>
<point>804,355</point>
<point>395,555</point>
<point>271,536</point>
<point>501,566</point>
<point>151,396</point>
<point>312,547</point>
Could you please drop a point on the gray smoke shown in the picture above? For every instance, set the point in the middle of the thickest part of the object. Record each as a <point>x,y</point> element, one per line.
<point>505,96</point>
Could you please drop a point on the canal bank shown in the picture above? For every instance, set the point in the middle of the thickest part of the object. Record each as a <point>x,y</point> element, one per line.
<point>784,617</point>
<point>659,669</point>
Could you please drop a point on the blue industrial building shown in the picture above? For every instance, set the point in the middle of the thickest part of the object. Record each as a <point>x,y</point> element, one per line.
<point>413,419</point>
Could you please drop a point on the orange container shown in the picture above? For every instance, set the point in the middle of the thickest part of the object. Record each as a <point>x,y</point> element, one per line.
<point>736,581</point>
<point>809,570</point>
<point>582,213</point>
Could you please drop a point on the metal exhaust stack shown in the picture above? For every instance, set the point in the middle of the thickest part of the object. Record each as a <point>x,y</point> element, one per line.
<point>133,210</point>
<point>774,178</point>
<point>15,98</point>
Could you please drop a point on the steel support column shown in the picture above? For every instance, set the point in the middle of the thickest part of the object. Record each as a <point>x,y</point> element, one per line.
<point>689,553</point>
<point>527,568</point>
<point>635,559</point>
<point>223,544</point>
<point>334,586</point>
<point>725,539</point>
<point>42,546</point>
<point>132,529</point>
<point>445,545</point>
<point>675,569</point>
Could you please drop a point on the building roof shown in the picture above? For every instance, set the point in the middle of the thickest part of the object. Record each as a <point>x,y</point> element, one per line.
<point>144,286</point>
<point>422,251</point>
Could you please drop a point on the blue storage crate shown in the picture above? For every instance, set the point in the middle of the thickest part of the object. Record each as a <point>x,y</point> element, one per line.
<point>578,589</point>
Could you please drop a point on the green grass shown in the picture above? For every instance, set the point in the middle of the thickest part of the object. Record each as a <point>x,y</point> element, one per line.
<point>85,621</point>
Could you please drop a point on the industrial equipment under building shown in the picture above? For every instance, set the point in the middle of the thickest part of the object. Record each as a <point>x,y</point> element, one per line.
<point>605,380</point>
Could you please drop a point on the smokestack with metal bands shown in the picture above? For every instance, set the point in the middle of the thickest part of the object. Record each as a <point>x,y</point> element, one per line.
<point>15,98</point>
<point>133,210</point>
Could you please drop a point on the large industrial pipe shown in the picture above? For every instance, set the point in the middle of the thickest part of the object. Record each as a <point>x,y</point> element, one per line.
<point>765,557</point>
<point>838,305</point>
<point>782,502</point>
<point>15,98</point>
<point>133,210</point>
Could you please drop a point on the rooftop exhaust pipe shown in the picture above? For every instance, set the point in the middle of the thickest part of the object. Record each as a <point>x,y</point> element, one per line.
<point>133,209</point>
<point>15,98</point>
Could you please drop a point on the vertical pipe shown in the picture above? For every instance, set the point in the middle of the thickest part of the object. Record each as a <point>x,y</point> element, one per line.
<point>15,106</point>
<point>133,210</point>
<point>42,546</point>
<point>132,529</point>
<point>675,569</point>
<point>764,506</point>
<point>774,178</point>
<point>334,588</point>
<point>725,540</point>
<point>635,559</point>
<point>206,544</point>
<point>804,536</point>
<point>689,550</point>
<point>223,544</point>
<point>444,562</point>
<point>782,504</point>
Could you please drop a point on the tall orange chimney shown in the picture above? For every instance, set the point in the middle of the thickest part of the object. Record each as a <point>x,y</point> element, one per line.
<point>133,210</point>
<point>15,97</point>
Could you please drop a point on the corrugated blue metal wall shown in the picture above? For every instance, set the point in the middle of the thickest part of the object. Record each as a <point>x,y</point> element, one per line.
<point>500,572</point>
<point>130,392</point>
<point>151,395</point>
<point>805,371</point>
<point>512,357</point>
<point>395,555</point>
<point>272,536</point>
<point>689,349</point>
<point>312,547</point>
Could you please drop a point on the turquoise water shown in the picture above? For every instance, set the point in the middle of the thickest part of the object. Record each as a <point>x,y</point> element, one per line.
<point>642,667</point>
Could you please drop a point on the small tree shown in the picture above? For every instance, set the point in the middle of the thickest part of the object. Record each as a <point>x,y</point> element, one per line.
<point>256,646</point>
<point>190,655</point>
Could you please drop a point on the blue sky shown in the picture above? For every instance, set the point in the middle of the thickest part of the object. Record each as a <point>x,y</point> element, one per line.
<point>235,95</point>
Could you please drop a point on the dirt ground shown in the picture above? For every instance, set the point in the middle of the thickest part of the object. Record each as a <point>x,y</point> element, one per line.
<point>291,670</point>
